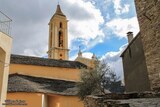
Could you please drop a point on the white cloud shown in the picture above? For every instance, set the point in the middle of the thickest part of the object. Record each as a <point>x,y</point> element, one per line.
<point>114,60</point>
<point>87,55</point>
<point>30,23</point>
<point>92,43</point>
<point>119,9</point>
<point>121,26</point>
<point>126,8</point>
<point>85,20</point>
<point>36,52</point>
<point>117,6</point>
<point>72,58</point>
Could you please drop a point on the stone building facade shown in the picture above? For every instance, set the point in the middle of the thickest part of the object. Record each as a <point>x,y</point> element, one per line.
<point>134,65</point>
<point>124,100</point>
<point>141,59</point>
<point>148,12</point>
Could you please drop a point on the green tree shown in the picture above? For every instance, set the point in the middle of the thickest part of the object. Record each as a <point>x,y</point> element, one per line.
<point>96,80</point>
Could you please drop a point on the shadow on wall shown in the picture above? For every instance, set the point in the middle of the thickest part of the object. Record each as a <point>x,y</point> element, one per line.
<point>2,64</point>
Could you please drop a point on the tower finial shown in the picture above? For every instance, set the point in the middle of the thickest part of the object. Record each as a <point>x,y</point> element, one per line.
<point>79,53</point>
<point>93,56</point>
<point>79,48</point>
<point>59,11</point>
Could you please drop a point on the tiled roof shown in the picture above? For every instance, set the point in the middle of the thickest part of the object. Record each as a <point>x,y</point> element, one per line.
<point>23,83</point>
<point>19,59</point>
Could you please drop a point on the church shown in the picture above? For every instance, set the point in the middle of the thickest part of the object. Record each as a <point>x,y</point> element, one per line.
<point>47,82</point>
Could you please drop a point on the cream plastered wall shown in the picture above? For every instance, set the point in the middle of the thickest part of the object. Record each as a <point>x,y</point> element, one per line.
<point>47,72</point>
<point>2,60</point>
<point>5,51</point>
<point>54,27</point>
<point>64,101</point>
<point>24,99</point>
<point>43,100</point>
<point>89,62</point>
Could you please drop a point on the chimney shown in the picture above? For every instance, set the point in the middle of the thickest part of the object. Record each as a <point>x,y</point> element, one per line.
<point>130,36</point>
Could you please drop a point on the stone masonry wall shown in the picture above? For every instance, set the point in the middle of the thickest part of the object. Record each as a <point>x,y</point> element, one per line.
<point>148,12</point>
<point>134,67</point>
<point>124,100</point>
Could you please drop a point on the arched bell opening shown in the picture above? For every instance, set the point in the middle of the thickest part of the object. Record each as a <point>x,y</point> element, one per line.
<point>60,39</point>
<point>60,25</point>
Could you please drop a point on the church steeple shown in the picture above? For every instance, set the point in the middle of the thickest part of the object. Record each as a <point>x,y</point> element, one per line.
<point>58,36</point>
<point>59,11</point>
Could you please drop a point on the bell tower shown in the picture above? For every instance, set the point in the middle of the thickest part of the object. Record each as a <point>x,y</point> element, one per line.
<point>58,36</point>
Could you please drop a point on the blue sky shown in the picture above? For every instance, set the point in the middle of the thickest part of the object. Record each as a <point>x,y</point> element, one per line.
<point>97,26</point>
<point>111,42</point>
<point>119,17</point>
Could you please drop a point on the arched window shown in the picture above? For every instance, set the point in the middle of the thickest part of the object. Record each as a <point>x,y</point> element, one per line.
<point>60,25</point>
<point>60,41</point>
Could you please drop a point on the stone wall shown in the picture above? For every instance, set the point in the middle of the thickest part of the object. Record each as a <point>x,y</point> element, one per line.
<point>124,100</point>
<point>134,66</point>
<point>148,12</point>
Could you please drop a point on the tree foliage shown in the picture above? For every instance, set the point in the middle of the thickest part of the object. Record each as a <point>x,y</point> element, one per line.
<point>96,80</point>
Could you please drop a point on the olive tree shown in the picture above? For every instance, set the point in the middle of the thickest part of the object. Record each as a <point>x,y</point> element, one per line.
<point>96,80</point>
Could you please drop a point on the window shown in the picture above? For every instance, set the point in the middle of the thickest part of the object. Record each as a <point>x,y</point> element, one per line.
<point>60,25</point>
<point>60,44</point>
<point>51,40</point>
